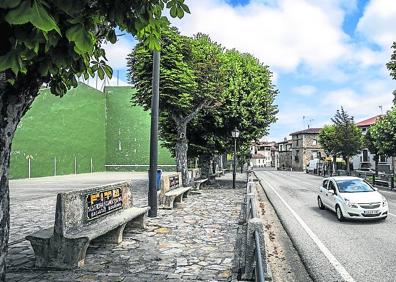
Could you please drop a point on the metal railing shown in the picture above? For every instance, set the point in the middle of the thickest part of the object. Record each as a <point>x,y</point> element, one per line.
<point>252,218</point>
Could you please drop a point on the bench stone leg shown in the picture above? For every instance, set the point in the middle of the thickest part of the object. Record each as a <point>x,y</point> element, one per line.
<point>185,195</point>
<point>112,237</point>
<point>41,248</point>
<point>179,198</point>
<point>167,202</point>
<point>65,254</point>
<point>138,222</point>
<point>69,253</point>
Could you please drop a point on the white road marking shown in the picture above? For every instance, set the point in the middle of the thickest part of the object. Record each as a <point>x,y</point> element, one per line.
<point>337,265</point>
<point>392,214</point>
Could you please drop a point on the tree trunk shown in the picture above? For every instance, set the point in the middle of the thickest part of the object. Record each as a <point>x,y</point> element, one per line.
<point>181,152</point>
<point>13,105</point>
<point>376,159</point>
<point>348,169</point>
<point>334,164</point>
<point>204,164</point>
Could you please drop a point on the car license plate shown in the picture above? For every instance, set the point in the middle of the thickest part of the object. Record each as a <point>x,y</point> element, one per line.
<point>370,212</point>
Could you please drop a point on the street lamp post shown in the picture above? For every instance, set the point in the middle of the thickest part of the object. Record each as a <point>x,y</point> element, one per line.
<point>152,193</point>
<point>235,135</point>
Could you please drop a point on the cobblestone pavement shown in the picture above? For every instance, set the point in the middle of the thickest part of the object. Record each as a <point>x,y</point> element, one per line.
<point>194,241</point>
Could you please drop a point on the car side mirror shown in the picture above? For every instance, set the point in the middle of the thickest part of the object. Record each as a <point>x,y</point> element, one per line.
<point>375,189</point>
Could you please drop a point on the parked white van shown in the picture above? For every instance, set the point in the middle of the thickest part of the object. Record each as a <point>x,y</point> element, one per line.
<point>313,165</point>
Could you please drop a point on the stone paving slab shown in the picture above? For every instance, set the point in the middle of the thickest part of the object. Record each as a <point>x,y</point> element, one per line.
<point>194,242</point>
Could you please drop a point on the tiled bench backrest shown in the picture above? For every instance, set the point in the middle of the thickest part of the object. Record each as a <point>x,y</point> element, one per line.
<point>170,182</point>
<point>80,208</point>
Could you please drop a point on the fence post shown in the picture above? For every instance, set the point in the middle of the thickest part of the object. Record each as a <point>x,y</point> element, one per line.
<point>91,165</point>
<point>373,179</point>
<point>392,184</point>
<point>254,224</point>
<point>55,166</point>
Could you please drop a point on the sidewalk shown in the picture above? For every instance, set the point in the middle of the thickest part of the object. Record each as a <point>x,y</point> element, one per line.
<point>195,241</point>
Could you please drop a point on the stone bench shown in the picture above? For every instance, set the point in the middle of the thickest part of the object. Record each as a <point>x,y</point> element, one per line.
<point>171,191</point>
<point>81,216</point>
<point>196,178</point>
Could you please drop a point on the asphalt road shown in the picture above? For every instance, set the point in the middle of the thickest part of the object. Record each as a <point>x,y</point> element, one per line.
<point>332,250</point>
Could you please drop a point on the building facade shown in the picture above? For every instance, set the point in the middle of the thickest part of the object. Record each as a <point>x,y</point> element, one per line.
<point>305,147</point>
<point>284,155</point>
<point>365,159</point>
<point>264,154</point>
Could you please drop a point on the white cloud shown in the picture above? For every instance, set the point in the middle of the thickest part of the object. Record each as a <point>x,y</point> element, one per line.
<point>305,90</point>
<point>378,22</point>
<point>116,53</point>
<point>360,105</point>
<point>283,36</point>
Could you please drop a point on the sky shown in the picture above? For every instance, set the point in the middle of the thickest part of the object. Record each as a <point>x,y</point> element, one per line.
<point>324,54</point>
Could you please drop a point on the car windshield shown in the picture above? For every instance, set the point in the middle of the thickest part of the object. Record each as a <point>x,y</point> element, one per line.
<point>353,186</point>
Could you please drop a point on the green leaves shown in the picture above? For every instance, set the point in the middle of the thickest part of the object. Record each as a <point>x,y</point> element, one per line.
<point>11,61</point>
<point>36,14</point>
<point>392,63</point>
<point>83,39</point>
<point>8,4</point>
<point>55,40</point>
<point>383,133</point>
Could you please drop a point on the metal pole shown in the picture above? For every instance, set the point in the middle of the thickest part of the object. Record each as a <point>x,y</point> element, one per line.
<point>91,165</point>
<point>234,166</point>
<point>55,166</point>
<point>152,194</point>
<point>29,167</point>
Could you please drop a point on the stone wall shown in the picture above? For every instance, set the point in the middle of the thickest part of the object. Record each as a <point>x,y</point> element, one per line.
<point>285,160</point>
<point>305,148</point>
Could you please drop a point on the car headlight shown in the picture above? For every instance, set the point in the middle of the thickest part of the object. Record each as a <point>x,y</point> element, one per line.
<point>350,204</point>
<point>384,201</point>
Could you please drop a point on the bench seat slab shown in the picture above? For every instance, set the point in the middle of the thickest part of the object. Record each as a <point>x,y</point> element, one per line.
<point>168,199</point>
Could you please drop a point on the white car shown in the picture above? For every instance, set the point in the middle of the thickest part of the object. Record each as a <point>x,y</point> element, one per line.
<point>313,165</point>
<point>352,197</point>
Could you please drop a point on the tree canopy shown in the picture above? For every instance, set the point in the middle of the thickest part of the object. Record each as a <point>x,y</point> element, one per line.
<point>247,103</point>
<point>212,89</point>
<point>328,139</point>
<point>383,133</point>
<point>53,41</point>
<point>348,135</point>
<point>190,81</point>
<point>342,138</point>
<point>391,65</point>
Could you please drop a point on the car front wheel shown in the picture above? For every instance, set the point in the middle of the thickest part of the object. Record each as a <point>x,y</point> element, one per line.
<point>320,204</point>
<point>340,217</point>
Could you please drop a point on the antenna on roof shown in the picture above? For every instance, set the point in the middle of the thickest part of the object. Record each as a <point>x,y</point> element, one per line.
<point>380,106</point>
<point>309,122</point>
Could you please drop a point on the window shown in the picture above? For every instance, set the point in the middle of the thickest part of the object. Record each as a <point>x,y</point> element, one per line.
<point>365,155</point>
<point>332,186</point>
<point>314,142</point>
<point>324,185</point>
<point>382,159</point>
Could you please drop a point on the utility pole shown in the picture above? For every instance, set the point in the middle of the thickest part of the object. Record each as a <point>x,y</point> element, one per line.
<point>152,194</point>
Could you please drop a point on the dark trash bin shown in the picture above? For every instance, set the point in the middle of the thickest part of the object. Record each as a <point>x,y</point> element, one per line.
<point>158,179</point>
<point>159,174</point>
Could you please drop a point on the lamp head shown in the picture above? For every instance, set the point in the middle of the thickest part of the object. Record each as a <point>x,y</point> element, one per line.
<point>235,133</point>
